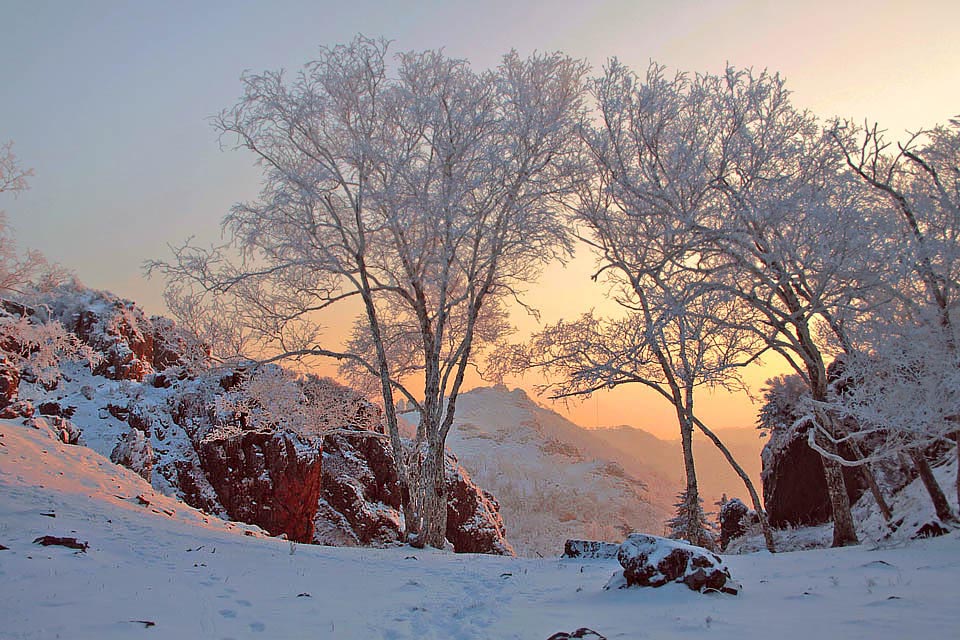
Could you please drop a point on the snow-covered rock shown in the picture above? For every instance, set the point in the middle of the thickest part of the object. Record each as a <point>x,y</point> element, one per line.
<point>733,524</point>
<point>474,524</point>
<point>590,549</point>
<point>149,400</point>
<point>652,561</point>
<point>271,480</point>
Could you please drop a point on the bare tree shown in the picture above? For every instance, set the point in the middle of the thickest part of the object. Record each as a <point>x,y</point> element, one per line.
<point>751,205</point>
<point>904,359</point>
<point>425,193</point>
<point>642,213</point>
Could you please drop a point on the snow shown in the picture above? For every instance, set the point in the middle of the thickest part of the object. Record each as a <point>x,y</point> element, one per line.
<point>193,575</point>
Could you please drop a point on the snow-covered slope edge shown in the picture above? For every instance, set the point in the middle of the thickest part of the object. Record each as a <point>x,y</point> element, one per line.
<point>190,578</point>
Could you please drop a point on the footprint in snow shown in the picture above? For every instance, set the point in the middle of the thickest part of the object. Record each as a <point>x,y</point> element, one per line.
<point>228,613</point>
<point>257,626</point>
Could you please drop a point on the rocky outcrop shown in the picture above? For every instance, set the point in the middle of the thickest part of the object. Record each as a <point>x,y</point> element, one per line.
<point>201,434</point>
<point>360,500</point>
<point>271,480</point>
<point>651,561</point>
<point>120,331</point>
<point>794,489</point>
<point>474,524</point>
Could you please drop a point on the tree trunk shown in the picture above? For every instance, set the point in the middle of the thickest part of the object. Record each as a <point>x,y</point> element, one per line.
<point>844,533</point>
<point>695,526</point>
<point>433,490</point>
<point>754,496</point>
<point>871,481</point>
<point>875,491</point>
<point>940,504</point>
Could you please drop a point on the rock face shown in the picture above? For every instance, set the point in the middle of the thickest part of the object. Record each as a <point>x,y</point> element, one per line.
<point>360,500</point>
<point>474,524</point>
<point>651,561</point>
<point>794,489</point>
<point>9,382</point>
<point>590,549</point>
<point>267,479</point>
<point>120,331</point>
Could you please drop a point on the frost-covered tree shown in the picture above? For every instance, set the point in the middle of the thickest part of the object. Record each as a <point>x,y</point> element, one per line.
<point>414,191</point>
<point>19,269</point>
<point>903,361</point>
<point>13,177</point>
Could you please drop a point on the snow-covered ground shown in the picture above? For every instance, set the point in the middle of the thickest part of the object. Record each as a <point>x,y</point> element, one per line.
<point>193,576</point>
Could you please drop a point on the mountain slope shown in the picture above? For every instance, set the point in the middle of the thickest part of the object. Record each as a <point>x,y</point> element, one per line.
<point>714,474</point>
<point>553,479</point>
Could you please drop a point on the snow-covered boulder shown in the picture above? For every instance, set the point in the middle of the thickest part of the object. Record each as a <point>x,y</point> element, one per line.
<point>581,633</point>
<point>474,524</point>
<point>652,561</point>
<point>733,520</point>
<point>591,549</point>
<point>134,452</point>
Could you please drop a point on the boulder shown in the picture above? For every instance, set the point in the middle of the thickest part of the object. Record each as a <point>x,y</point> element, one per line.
<point>652,561</point>
<point>590,549</point>
<point>474,524</point>
<point>270,479</point>
<point>732,520</point>
<point>582,632</point>
<point>18,409</point>
<point>794,489</point>
<point>68,432</point>
<point>134,452</point>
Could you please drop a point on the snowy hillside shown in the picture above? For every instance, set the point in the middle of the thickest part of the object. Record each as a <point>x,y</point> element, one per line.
<point>164,570</point>
<point>714,474</point>
<point>553,479</point>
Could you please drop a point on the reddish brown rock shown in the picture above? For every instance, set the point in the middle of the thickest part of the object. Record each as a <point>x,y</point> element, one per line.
<point>120,332</point>
<point>361,493</point>
<point>474,524</point>
<point>9,382</point>
<point>271,480</point>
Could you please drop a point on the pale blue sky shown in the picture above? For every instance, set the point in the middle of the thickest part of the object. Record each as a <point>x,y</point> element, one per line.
<point>108,101</point>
